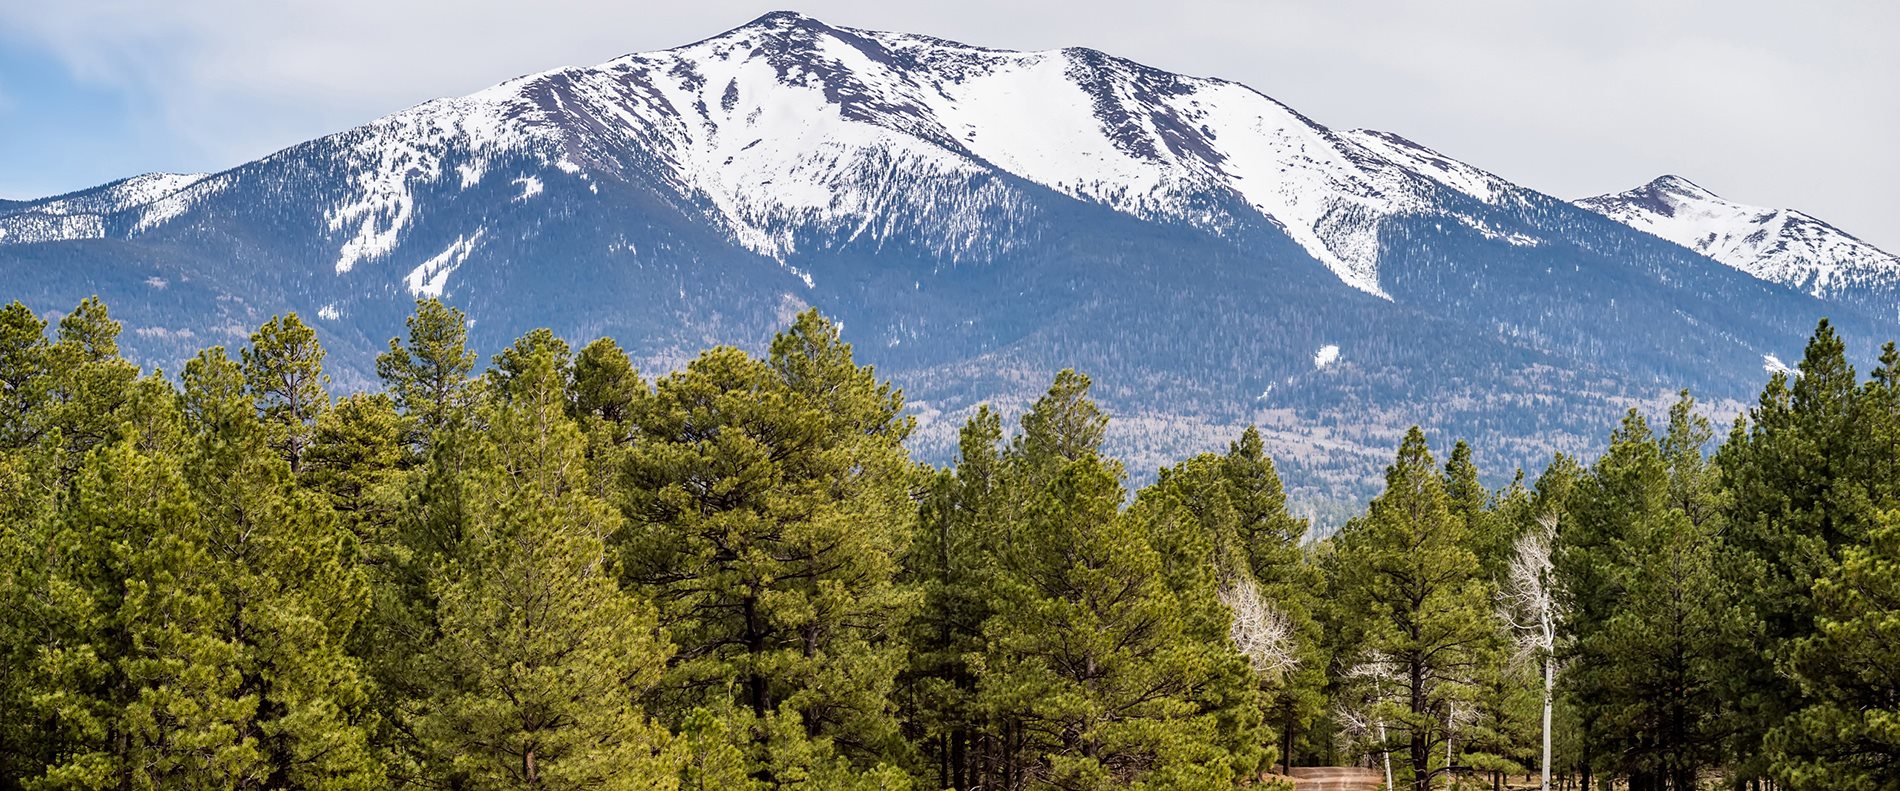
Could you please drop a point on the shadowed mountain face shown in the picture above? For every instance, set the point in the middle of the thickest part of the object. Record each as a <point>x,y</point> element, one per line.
<point>978,219</point>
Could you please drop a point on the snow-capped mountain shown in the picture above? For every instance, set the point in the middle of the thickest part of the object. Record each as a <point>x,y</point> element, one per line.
<point>787,125</point>
<point>84,215</point>
<point>1780,245</point>
<point>978,219</point>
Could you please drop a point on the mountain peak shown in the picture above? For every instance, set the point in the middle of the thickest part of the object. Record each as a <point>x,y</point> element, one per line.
<point>1778,245</point>
<point>1674,184</point>
<point>781,17</point>
<point>783,20</point>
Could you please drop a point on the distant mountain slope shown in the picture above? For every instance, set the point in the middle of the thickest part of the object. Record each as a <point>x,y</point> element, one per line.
<point>1780,245</point>
<point>978,219</point>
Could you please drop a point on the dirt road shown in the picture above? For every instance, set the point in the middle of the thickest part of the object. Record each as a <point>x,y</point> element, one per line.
<point>1336,778</point>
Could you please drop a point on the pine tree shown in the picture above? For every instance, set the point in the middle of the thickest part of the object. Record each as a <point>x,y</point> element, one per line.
<point>1262,575</point>
<point>1222,608</point>
<point>543,658</point>
<point>130,687</point>
<point>767,503</point>
<point>1801,489</point>
<point>86,386</point>
<point>289,581</point>
<point>1095,672</point>
<point>23,351</point>
<point>1064,426</point>
<point>1841,735</point>
<point>1649,610</point>
<point>428,376</point>
<point>1270,536</point>
<point>1844,735</point>
<point>283,366</point>
<point>605,389</point>
<point>25,500</point>
<point>1089,656</point>
<point>1465,496</point>
<point>1408,568</point>
<point>523,357</point>
<point>354,461</point>
<point>951,564</point>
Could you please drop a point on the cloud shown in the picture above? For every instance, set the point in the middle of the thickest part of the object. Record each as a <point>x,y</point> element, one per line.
<point>1765,102</point>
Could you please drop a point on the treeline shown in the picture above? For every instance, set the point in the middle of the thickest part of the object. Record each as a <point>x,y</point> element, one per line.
<point>556,573</point>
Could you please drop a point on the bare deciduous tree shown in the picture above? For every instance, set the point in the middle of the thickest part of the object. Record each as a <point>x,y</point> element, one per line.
<point>1367,718</point>
<point>1261,631</point>
<point>1528,602</point>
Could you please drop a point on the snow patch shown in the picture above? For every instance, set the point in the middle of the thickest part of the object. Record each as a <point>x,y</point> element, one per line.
<point>1773,365</point>
<point>32,227</point>
<point>388,157</point>
<point>1325,356</point>
<point>1433,165</point>
<point>1508,237</point>
<point>471,172</point>
<point>530,187</point>
<point>431,278</point>
<point>329,312</point>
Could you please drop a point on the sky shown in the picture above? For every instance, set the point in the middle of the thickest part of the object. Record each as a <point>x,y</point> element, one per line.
<point>1763,102</point>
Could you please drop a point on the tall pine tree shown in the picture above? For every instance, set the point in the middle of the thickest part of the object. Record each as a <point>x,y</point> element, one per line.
<point>1409,569</point>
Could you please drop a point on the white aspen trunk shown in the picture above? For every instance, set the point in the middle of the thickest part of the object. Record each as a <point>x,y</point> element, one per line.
<point>1388,757</point>
<point>1550,680</point>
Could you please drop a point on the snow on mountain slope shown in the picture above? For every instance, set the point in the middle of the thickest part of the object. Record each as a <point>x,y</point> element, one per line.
<point>1778,245</point>
<point>1478,184</point>
<point>81,215</point>
<point>787,129</point>
<point>789,135</point>
<point>787,123</point>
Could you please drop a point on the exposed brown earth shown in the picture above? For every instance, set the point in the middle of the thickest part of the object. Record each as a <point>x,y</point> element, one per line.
<point>1336,778</point>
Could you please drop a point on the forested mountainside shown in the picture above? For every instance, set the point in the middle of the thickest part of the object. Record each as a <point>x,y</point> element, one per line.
<point>976,220</point>
<point>560,572</point>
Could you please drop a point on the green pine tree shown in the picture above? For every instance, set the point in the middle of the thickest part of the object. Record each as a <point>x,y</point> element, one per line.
<point>606,386</point>
<point>767,503</point>
<point>1845,736</point>
<point>542,657</point>
<point>283,366</point>
<point>290,583</point>
<point>951,563</point>
<point>1801,488</point>
<point>1089,655</point>
<point>428,376</point>
<point>23,353</point>
<point>1407,566</point>
<point>1650,615</point>
<point>1107,661</point>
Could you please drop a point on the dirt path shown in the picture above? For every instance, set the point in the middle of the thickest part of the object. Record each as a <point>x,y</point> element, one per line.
<point>1336,778</point>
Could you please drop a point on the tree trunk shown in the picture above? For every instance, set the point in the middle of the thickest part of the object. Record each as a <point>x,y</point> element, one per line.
<point>1586,764</point>
<point>755,645</point>
<point>959,759</point>
<point>1387,753</point>
<point>1286,742</point>
<point>1550,682</point>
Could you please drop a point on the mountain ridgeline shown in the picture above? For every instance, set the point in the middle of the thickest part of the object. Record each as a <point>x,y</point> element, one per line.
<point>978,219</point>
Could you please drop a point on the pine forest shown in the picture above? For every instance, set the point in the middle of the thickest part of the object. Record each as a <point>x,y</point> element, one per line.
<point>550,571</point>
